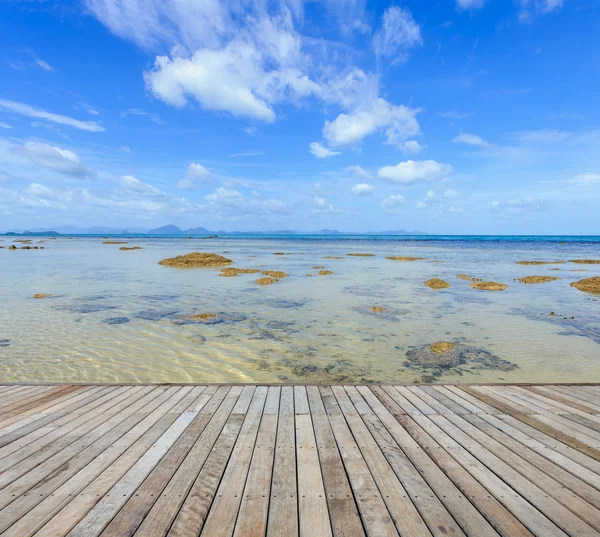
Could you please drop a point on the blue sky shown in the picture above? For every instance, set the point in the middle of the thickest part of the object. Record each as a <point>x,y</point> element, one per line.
<point>461,116</point>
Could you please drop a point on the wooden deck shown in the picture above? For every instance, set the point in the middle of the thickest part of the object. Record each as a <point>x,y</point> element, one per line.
<point>308,461</point>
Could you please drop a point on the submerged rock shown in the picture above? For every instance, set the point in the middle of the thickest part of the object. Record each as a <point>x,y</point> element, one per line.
<point>588,285</point>
<point>489,286</point>
<point>132,248</point>
<point>154,315</point>
<point>377,309</point>
<point>277,274</point>
<point>540,262</point>
<point>196,260</point>
<point>41,295</point>
<point>361,255</point>
<point>468,278</point>
<point>443,357</point>
<point>436,283</point>
<point>318,267</point>
<point>203,316</point>
<point>332,257</point>
<point>404,258</point>
<point>12,247</point>
<point>278,253</point>
<point>4,342</point>
<point>325,272</point>
<point>114,242</point>
<point>266,281</point>
<point>537,279</point>
<point>585,261</point>
<point>116,320</point>
<point>234,271</point>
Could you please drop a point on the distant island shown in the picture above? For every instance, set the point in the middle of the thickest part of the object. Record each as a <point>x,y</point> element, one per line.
<point>171,229</point>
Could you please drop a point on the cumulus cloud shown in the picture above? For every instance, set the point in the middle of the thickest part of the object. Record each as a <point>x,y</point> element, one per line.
<point>230,203</point>
<point>362,189</point>
<point>398,33</point>
<point>31,111</point>
<point>194,176</point>
<point>320,151</point>
<point>470,139</point>
<point>450,193</point>
<point>412,171</point>
<point>411,146</point>
<point>56,159</point>
<point>392,203</point>
<point>133,184</point>
<point>397,122</point>
<point>357,170</point>
<point>5,126</point>
<point>322,207</point>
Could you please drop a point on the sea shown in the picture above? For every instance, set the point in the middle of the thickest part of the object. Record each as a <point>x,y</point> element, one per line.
<point>118,316</point>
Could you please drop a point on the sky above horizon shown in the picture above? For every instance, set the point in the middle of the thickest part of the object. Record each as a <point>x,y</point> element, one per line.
<point>461,116</point>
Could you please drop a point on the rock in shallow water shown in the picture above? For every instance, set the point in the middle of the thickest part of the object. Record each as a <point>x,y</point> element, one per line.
<point>196,260</point>
<point>116,320</point>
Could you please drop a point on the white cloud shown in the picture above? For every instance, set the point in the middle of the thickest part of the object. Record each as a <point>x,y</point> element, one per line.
<point>528,9</point>
<point>89,109</point>
<point>143,113</point>
<point>247,154</point>
<point>250,131</point>
<point>392,203</point>
<point>469,4</point>
<point>31,111</point>
<point>412,171</point>
<point>322,207</point>
<point>44,65</point>
<point>357,170</point>
<point>125,149</point>
<point>411,146</point>
<point>431,194</point>
<point>362,189</point>
<point>55,158</point>
<point>586,179</point>
<point>320,151</point>
<point>194,176</point>
<point>5,126</point>
<point>133,184</point>
<point>398,123</point>
<point>229,203</point>
<point>450,193</point>
<point>470,139</point>
<point>541,137</point>
<point>398,33</point>
<point>517,206</point>
<point>245,76</point>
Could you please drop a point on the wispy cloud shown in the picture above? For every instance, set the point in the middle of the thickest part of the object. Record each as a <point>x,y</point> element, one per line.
<point>247,154</point>
<point>34,112</point>
<point>143,113</point>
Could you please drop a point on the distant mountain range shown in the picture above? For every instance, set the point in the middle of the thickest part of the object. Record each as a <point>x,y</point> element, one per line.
<point>174,230</point>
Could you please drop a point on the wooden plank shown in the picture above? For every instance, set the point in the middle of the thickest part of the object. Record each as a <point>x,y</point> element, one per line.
<point>567,439</point>
<point>467,516</point>
<point>99,516</point>
<point>80,434</point>
<point>439,521</point>
<point>565,398</point>
<point>489,507</point>
<point>59,434</point>
<point>312,504</point>
<point>151,429</point>
<point>343,512</point>
<point>222,516</point>
<point>254,509</point>
<point>38,400</point>
<point>20,395</point>
<point>406,517</point>
<point>51,500</point>
<point>131,515</point>
<point>190,518</point>
<point>535,521</point>
<point>44,414</point>
<point>283,506</point>
<point>562,506</point>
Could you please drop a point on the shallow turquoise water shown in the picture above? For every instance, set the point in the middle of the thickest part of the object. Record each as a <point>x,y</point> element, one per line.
<point>302,328</point>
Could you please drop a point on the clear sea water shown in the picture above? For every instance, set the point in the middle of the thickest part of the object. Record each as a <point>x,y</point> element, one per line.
<point>119,316</point>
